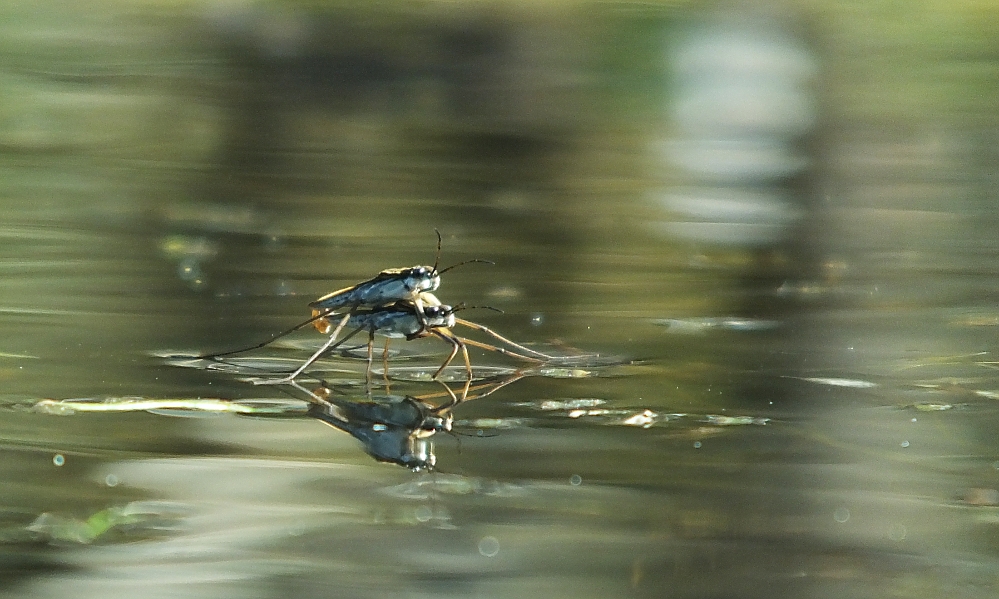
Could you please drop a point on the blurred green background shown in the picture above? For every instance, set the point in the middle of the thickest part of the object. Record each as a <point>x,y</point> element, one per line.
<point>778,217</point>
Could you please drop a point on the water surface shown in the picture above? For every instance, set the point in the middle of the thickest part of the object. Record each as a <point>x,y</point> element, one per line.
<point>812,417</point>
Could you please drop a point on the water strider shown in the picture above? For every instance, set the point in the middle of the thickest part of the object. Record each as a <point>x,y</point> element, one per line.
<point>404,320</point>
<point>413,284</point>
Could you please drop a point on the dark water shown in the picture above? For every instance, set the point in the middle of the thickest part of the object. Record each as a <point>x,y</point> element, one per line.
<point>785,387</point>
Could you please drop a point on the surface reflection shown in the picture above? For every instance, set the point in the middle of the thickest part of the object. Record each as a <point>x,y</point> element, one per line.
<point>396,428</point>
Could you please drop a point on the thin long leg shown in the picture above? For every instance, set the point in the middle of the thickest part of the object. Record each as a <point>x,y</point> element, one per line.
<point>456,344</point>
<point>447,405</point>
<point>491,387</point>
<point>371,350</point>
<point>468,380</point>
<point>313,358</point>
<point>272,339</point>
<point>501,350</point>
<point>488,331</point>
<point>385,365</point>
<point>316,397</point>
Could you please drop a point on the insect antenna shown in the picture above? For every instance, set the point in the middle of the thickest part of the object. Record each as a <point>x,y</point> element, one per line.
<point>462,306</point>
<point>272,338</point>
<point>438,256</point>
<point>440,272</point>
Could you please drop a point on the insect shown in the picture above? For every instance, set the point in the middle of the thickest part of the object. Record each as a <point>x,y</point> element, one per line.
<point>403,320</point>
<point>387,287</point>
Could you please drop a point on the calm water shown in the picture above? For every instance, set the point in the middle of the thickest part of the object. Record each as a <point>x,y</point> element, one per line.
<point>792,394</point>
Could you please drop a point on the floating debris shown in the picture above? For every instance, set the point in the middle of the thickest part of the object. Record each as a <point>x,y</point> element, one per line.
<point>976,320</point>
<point>549,405</point>
<point>981,497</point>
<point>837,382</point>
<point>491,423</point>
<point>594,412</point>
<point>734,420</point>
<point>930,407</point>
<point>701,325</point>
<point>13,356</point>
<point>946,382</point>
<point>66,407</point>
<point>645,419</point>
<point>138,515</point>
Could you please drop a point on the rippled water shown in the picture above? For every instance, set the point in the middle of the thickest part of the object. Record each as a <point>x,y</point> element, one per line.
<point>786,387</point>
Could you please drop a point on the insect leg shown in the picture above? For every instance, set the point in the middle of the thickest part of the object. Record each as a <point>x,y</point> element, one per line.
<point>479,327</point>
<point>312,358</point>
<point>456,344</point>
<point>501,350</point>
<point>447,405</point>
<point>317,397</point>
<point>273,338</point>
<point>385,354</point>
<point>468,382</point>
<point>371,349</point>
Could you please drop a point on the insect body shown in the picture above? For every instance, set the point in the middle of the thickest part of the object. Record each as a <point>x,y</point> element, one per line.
<point>399,320</point>
<point>390,286</point>
<point>403,320</point>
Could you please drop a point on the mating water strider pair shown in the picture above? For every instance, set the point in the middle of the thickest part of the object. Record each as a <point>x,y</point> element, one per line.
<point>397,303</point>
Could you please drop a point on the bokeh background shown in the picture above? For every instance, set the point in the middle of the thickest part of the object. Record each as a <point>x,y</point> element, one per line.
<point>777,217</point>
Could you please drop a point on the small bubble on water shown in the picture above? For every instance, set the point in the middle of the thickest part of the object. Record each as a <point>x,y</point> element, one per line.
<point>537,319</point>
<point>58,460</point>
<point>111,480</point>
<point>189,269</point>
<point>576,480</point>
<point>489,546</point>
<point>897,532</point>
<point>905,443</point>
<point>841,515</point>
<point>697,444</point>
<point>273,241</point>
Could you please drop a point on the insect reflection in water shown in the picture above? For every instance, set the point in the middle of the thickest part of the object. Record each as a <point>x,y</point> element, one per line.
<point>394,428</point>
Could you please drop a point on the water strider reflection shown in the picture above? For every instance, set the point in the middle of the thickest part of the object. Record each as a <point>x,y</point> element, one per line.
<point>397,428</point>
